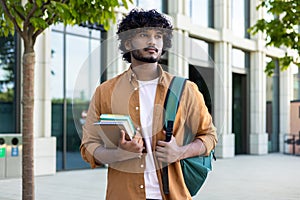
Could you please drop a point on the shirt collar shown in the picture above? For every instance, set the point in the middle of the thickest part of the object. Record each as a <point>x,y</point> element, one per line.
<point>132,76</point>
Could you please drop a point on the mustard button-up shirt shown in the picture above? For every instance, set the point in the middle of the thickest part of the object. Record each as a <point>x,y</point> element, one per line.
<point>120,95</point>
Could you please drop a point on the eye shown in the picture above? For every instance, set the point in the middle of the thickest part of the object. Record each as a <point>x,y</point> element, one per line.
<point>158,36</point>
<point>143,35</point>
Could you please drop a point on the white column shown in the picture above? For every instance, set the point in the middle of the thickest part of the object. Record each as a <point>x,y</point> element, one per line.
<point>258,135</point>
<point>284,105</point>
<point>223,84</point>
<point>176,7</point>
<point>223,101</point>
<point>114,62</point>
<point>44,144</point>
<point>178,54</point>
<point>222,16</point>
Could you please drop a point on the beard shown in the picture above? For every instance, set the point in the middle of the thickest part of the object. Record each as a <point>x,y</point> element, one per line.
<point>136,54</point>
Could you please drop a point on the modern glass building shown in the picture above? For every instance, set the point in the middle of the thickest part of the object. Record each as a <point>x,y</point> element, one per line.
<point>211,47</point>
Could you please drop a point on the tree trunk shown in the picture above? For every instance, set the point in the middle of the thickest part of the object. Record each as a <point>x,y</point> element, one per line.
<point>27,126</point>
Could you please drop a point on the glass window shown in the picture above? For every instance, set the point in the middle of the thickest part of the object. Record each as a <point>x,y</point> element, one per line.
<point>240,17</point>
<point>272,97</point>
<point>8,101</point>
<point>240,59</point>
<point>201,53</point>
<point>296,82</point>
<point>159,5</point>
<point>199,49</point>
<point>57,70</point>
<point>201,12</point>
<point>71,49</point>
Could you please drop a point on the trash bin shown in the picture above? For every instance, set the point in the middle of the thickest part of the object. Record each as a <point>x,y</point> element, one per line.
<point>2,157</point>
<point>14,156</point>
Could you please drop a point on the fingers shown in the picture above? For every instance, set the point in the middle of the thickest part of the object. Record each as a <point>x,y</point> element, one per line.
<point>163,143</point>
<point>161,155</point>
<point>135,145</point>
<point>138,137</point>
<point>122,137</point>
<point>138,134</point>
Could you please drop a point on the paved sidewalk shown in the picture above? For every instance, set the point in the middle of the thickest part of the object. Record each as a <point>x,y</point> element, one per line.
<point>246,177</point>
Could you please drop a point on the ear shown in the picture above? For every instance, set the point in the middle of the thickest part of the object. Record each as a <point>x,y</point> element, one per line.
<point>128,45</point>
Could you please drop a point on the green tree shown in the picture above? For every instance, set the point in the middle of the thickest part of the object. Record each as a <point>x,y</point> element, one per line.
<point>281,31</point>
<point>29,18</point>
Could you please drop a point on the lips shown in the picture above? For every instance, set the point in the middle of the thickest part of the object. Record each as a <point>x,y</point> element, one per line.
<point>151,49</point>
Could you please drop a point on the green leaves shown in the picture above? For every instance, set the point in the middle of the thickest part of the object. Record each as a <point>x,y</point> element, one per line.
<point>95,11</point>
<point>38,23</point>
<point>282,30</point>
<point>39,14</point>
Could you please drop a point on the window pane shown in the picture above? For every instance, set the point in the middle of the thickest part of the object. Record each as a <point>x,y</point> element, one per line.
<point>7,85</point>
<point>70,55</point>
<point>199,12</point>
<point>57,66</point>
<point>78,54</point>
<point>56,89</point>
<point>199,49</point>
<point>238,17</point>
<point>238,58</point>
<point>150,4</point>
<point>200,53</point>
<point>296,82</point>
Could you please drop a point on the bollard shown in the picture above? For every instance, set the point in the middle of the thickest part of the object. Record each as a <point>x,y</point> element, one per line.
<point>14,156</point>
<point>2,157</point>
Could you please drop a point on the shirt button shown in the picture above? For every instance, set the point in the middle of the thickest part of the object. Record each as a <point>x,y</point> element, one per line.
<point>137,108</point>
<point>132,74</point>
<point>138,128</point>
<point>142,166</point>
<point>136,88</point>
<point>141,186</point>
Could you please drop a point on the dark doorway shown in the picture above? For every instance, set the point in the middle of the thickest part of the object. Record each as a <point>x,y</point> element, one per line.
<point>239,113</point>
<point>204,78</point>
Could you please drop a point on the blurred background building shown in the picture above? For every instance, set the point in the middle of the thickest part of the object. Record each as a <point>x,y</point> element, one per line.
<point>211,47</point>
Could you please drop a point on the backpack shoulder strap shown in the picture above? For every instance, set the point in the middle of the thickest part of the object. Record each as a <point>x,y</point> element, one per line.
<point>171,106</point>
<point>173,98</point>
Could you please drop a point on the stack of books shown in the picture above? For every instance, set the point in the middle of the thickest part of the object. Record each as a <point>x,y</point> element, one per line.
<point>110,126</point>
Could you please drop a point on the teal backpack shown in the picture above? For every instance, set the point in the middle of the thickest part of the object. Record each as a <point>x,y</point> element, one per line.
<point>194,169</point>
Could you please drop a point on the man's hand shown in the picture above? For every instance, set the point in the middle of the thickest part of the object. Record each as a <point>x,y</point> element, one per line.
<point>126,150</point>
<point>131,149</point>
<point>168,152</point>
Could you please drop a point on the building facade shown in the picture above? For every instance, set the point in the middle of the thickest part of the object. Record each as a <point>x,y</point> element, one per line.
<point>211,47</point>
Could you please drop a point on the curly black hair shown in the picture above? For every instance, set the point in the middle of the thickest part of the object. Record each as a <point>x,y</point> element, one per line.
<point>137,19</point>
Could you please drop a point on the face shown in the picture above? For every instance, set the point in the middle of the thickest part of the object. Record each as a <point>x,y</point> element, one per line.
<point>146,46</point>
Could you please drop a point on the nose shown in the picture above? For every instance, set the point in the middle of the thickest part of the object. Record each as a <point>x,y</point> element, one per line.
<point>151,40</point>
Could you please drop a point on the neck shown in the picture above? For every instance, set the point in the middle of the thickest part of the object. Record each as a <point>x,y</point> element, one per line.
<point>145,71</point>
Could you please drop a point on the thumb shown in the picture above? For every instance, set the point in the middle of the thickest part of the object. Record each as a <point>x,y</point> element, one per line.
<point>122,136</point>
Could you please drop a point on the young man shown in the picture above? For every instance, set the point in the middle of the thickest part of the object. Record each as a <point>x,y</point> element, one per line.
<point>135,167</point>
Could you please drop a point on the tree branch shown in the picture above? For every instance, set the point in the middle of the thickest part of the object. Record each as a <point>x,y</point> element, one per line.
<point>20,14</point>
<point>6,10</point>
<point>49,21</point>
<point>30,14</point>
<point>37,33</point>
<point>43,6</point>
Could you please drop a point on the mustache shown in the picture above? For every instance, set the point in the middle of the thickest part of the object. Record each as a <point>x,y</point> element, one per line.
<point>150,47</point>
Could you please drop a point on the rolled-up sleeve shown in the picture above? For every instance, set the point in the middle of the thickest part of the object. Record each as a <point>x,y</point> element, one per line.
<point>90,138</point>
<point>200,120</point>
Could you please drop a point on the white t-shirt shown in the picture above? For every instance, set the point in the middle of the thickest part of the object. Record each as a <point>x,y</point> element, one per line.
<point>147,90</point>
